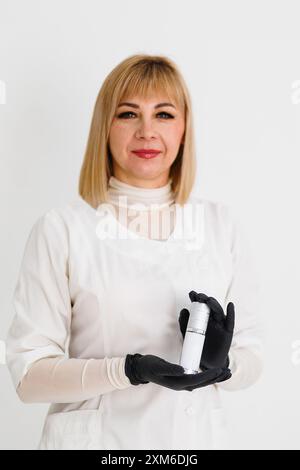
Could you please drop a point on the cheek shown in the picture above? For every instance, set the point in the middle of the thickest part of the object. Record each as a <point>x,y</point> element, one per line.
<point>173,137</point>
<point>119,135</point>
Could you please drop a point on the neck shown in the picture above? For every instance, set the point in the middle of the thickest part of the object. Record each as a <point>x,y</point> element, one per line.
<point>127,195</point>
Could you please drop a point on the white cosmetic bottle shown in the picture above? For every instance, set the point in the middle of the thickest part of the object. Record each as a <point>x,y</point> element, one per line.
<point>194,338</point>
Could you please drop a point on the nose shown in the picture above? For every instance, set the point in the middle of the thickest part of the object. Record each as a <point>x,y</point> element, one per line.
<point>146,129</point>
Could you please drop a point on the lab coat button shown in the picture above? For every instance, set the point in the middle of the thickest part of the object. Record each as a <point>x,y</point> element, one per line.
<point>189,410</point>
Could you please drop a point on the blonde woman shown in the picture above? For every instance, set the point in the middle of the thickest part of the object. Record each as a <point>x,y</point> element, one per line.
<point>97,331</point>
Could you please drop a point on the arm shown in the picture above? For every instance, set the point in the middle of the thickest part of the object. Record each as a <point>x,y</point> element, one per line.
<point>36,340</point>
<point>62,380</point>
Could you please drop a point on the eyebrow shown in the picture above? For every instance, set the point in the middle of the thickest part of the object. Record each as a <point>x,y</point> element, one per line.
<point>133,105</point>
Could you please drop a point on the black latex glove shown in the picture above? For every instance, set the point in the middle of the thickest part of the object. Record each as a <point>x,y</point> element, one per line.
<point>219,331</point>
<point>141,369</point>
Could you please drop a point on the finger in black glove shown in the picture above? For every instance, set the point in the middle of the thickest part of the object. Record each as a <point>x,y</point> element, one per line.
<point>219,331</point>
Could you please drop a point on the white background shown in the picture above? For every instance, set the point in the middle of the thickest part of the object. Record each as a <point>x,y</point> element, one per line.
<point>241,62</point>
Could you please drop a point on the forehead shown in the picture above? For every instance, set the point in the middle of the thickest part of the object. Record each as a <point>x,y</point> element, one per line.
<point>151,101</point>
<point>152,98</point>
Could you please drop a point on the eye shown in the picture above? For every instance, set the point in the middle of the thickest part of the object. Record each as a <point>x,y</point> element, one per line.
<point>167,114</point>
<point>122,115</point>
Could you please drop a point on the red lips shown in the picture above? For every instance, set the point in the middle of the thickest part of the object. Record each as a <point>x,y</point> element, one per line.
<point>147,151</point>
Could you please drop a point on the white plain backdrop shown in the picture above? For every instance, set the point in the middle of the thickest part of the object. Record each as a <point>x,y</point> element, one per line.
<point>240,60</point>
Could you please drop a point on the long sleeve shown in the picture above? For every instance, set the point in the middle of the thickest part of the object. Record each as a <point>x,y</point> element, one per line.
<point>41,300</point>
<point>246,353</point>
<point>61,380</point>
<point>37,338</point>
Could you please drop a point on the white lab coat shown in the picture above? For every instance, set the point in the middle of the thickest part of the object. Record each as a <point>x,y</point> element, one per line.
<point>86,292</point>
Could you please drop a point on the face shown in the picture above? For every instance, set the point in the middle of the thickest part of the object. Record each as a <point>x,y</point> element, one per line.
<point>155,123</point>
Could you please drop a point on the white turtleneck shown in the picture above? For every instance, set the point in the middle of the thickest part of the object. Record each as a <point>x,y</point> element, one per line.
<point>66,380</point>
<point>162,196</point>
<point>153,207</point>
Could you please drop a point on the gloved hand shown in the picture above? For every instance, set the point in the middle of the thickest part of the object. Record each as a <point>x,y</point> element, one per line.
<point>219,331</point>
<point>142,369</point>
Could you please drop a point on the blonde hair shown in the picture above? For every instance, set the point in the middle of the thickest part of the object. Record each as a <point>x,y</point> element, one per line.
<point>137,75</point>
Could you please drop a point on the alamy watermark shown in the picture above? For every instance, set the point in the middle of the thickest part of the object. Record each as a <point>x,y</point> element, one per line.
<point>2,92</point>
<point>2,352</point>
<point>155,221</point>
<point>295,357</point>
<point>295,95</point>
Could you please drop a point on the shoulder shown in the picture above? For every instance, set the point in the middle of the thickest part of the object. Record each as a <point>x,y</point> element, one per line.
<point>215,211</point>
<point>221,220</point>
<point>58,220</point>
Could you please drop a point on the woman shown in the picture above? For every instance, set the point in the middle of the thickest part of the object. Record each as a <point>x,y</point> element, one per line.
<point>104,278</point>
